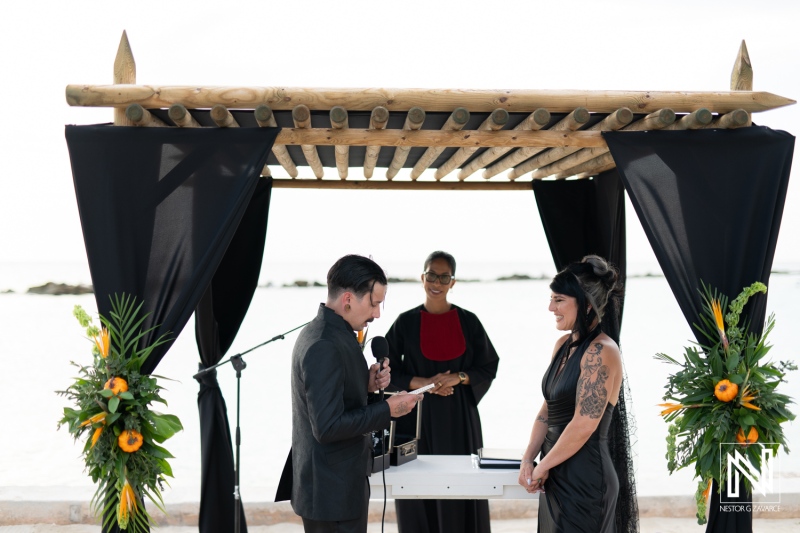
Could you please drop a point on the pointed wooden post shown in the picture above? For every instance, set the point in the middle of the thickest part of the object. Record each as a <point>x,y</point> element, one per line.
<point>742,75</point>
<point>124,73</point>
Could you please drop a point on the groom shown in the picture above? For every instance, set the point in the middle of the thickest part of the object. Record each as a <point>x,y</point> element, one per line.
<point>331,420</point>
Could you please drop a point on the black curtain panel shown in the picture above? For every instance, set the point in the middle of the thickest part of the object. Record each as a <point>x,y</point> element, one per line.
<point>217,320</point>
<point>711,203</point>
<point>582,217</point>
<point>158,208</point>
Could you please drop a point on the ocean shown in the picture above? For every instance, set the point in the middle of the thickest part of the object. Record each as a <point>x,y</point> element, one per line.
<point>40,338</point>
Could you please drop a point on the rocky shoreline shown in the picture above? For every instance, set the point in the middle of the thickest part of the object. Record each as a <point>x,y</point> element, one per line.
<point>62,289</point>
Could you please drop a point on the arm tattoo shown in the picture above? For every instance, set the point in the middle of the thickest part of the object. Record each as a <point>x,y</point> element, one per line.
<point>541,419</point>
<point>591,394</point>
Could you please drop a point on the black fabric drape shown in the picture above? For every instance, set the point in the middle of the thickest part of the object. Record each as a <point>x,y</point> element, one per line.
<point>582,217</point>
<point>217,320</point>
<point>711,203</point>
<point>158,208</point>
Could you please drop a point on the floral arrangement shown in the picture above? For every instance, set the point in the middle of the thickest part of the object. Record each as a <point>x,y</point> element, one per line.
<point>112,401</point>
<point>726,396</point>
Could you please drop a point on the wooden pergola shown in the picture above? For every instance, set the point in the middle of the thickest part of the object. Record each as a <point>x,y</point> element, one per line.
<point>456,139</point>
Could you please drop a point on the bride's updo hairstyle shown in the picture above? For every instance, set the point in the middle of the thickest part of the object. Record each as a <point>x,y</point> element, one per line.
<point>594,283</point>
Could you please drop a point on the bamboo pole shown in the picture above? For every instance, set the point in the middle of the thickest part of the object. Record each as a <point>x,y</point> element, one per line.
<point>577,118</point>
<point>742,75</point>
<point>495,121</point>
<point>694,120</point>
<point>439,138</point>
<point>533,122</point>
<point>302,120</point>
<point>124,73</point>
<point>181,117</point>
<point>458,118</point>
<point>414,120</point>
<point>139,116</point>
<point>401,185</point>
<point>222,117</point>
<point>339,121</point>
<point>377,121</point>
<point>654,121</point>
<point>266,119</point>
<point>616,120</point>
<point>518,101</point>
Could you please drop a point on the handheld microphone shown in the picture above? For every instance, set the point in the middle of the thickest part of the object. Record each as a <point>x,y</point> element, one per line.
<point>380,349</point>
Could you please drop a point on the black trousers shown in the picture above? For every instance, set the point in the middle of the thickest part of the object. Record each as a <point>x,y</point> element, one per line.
<point>358,525</point>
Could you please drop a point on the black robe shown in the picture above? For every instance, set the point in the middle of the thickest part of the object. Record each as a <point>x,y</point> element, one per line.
<point>450,424</point>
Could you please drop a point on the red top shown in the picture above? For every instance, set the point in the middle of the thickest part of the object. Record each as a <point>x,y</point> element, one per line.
<point>440,336</point>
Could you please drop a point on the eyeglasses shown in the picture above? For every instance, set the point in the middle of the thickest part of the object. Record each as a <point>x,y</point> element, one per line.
<point>431,277</point>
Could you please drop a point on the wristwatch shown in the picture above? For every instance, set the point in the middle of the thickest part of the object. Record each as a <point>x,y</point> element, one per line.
<point>462,377</point>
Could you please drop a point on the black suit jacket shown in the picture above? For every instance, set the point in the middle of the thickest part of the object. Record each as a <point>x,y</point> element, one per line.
<point>331,421</point>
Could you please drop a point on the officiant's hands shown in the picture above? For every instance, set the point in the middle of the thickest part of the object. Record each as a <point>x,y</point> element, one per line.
<point>444,383</point>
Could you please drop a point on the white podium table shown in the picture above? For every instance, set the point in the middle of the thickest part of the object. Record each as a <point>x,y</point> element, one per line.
<point>442,477</point>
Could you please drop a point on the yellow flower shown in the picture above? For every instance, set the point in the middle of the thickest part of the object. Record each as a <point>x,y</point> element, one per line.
<point>670,407</point>
<point>127,505</point>
<point>102,342</point>
<point>96,435</point>
<point>94,419</point>
<point>716,308</point>
<point>745,402</point>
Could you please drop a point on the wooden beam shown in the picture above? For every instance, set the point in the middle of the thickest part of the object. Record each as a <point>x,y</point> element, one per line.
<point>694,120</point>
<point>339,121</point>
<point>533,122</point>
<point>265,119</point>
<point>301,116</point>
<point>458,118</point>
<point>222,117</point>
<point>401,185</point>
<point>590,167</point>
<point>139,116</point>
<point>738,118</point>
<point>439,138</point>
<point>495,121</point>
<point>654,121</point>
<point>577,118</point>
<point>414,120</point>
<point>616,120</point>
<point>377,121</point>
<point>742,75</point>
<point>181,117</point>
<point>513,101</point>
<point>124,73</point>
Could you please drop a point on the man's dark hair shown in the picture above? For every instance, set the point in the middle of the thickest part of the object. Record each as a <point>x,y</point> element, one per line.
<point>354,273</point>
<point>438,254</point>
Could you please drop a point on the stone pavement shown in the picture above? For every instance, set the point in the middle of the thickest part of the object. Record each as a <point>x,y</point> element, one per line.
<point>648,525</point>
<point>664,514</point>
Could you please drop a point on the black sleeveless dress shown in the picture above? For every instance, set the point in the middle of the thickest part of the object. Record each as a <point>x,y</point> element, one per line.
<point>580,493</point>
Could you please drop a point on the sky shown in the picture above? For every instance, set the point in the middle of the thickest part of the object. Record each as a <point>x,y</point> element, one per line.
<point>610,45</point>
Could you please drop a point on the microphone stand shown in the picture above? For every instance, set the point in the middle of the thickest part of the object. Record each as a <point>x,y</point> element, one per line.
<point>239,364</point>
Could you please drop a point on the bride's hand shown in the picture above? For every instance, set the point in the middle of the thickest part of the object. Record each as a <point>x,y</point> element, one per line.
<point>526,475</point>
